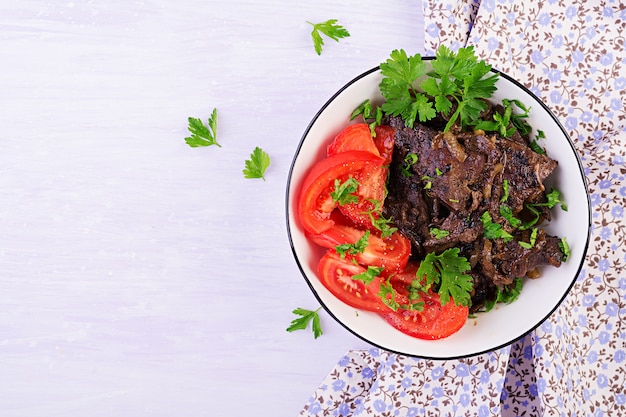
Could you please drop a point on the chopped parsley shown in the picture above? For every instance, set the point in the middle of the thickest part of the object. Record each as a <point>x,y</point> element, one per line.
<point>554,198</point>
<point>493,230</point>
<point>409,160</point>
<point>388,296</point>
<point>506,295</point>
<point>533,239</point>
<point>371,115</point>
<point>505,189</point>
<point>565,249</point>
<point>507,213</point>
<point>438,233</point>
<point>343,193</point>
<point>534,145</point>
<point>379,221</point>
<point>353,248</point>
<point>369,275</point>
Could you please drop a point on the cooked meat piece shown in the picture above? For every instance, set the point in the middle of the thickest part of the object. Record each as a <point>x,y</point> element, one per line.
<point>525,171</point>
<point>515,261</point>
<point>456,178</point>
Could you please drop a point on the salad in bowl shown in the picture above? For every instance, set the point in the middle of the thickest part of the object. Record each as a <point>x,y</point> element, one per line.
<point>430,206</point>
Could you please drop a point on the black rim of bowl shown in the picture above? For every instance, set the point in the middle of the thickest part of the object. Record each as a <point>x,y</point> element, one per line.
<point>469,354</point>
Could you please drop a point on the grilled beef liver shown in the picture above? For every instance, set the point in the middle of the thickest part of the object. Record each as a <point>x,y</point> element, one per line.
<point>456,178</point>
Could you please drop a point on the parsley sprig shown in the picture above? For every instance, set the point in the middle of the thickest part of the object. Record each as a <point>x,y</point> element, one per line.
<point>306,317</point>
<point>329,28</point>
<point>257,164</point>
<point>447,270</point>
<point>402,98</point>
<point>508,122</point>
<point>456,86</point>
<point>202,135</point>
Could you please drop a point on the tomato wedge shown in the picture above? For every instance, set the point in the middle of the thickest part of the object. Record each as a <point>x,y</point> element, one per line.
<point>316,204</point>
<point>336,275</point>
<point>434,321</point>
<point>384,141</point>
<point>356,137</point>
<point>391,253</point>
<point>372,188</point>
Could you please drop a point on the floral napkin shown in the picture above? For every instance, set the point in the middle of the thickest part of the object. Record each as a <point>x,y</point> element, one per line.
<point>570,53</point>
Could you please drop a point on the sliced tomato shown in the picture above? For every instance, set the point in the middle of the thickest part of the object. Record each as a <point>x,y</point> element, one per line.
<point>391,253</point>
<point>316,204</point>
<point>384,141</point>
<point>372,188</point>
<point>434,321</point>
<point>336,275</point>
<point>356,137</point>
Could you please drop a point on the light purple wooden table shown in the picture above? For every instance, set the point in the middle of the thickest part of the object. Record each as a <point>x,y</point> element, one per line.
<point>139,276</point>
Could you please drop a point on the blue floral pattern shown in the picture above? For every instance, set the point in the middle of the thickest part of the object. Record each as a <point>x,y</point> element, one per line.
<point>570,53</point>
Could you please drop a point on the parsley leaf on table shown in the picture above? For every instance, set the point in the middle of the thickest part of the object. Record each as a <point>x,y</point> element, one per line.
<point>257,164</point>
<point>329,28</point>
<point>202,135</point>
<point>306,317</point>
<point>447,270</point>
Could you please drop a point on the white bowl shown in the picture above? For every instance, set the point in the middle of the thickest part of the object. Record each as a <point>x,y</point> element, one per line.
<point>487,331</point>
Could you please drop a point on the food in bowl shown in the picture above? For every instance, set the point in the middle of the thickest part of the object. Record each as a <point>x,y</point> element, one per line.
<point>449,176</point>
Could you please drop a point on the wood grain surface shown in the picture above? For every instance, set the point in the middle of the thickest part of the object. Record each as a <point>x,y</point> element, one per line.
<point>139,276</point>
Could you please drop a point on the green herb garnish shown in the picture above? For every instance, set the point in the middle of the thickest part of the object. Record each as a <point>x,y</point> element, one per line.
<point>353,248</point>
<point>506,295</point>
<point>565,249</point>
<point>494,230</point>
<point>343,193</point>
<point>507,213</point>
<point>438,233</point>
<point>379,221</point>
<point>409,160</point>
<point>257,164</point>
<point>371,115</point>
<point>369,275</point>
<point>388,296</point>
<point>202,135</point>
<point>534,145</point>
<point>507,122</point>
<point>505,189</point>
<point>306,317</point>
<point>329,28</point>
<point>447,271</point>
<point>533,239</point>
